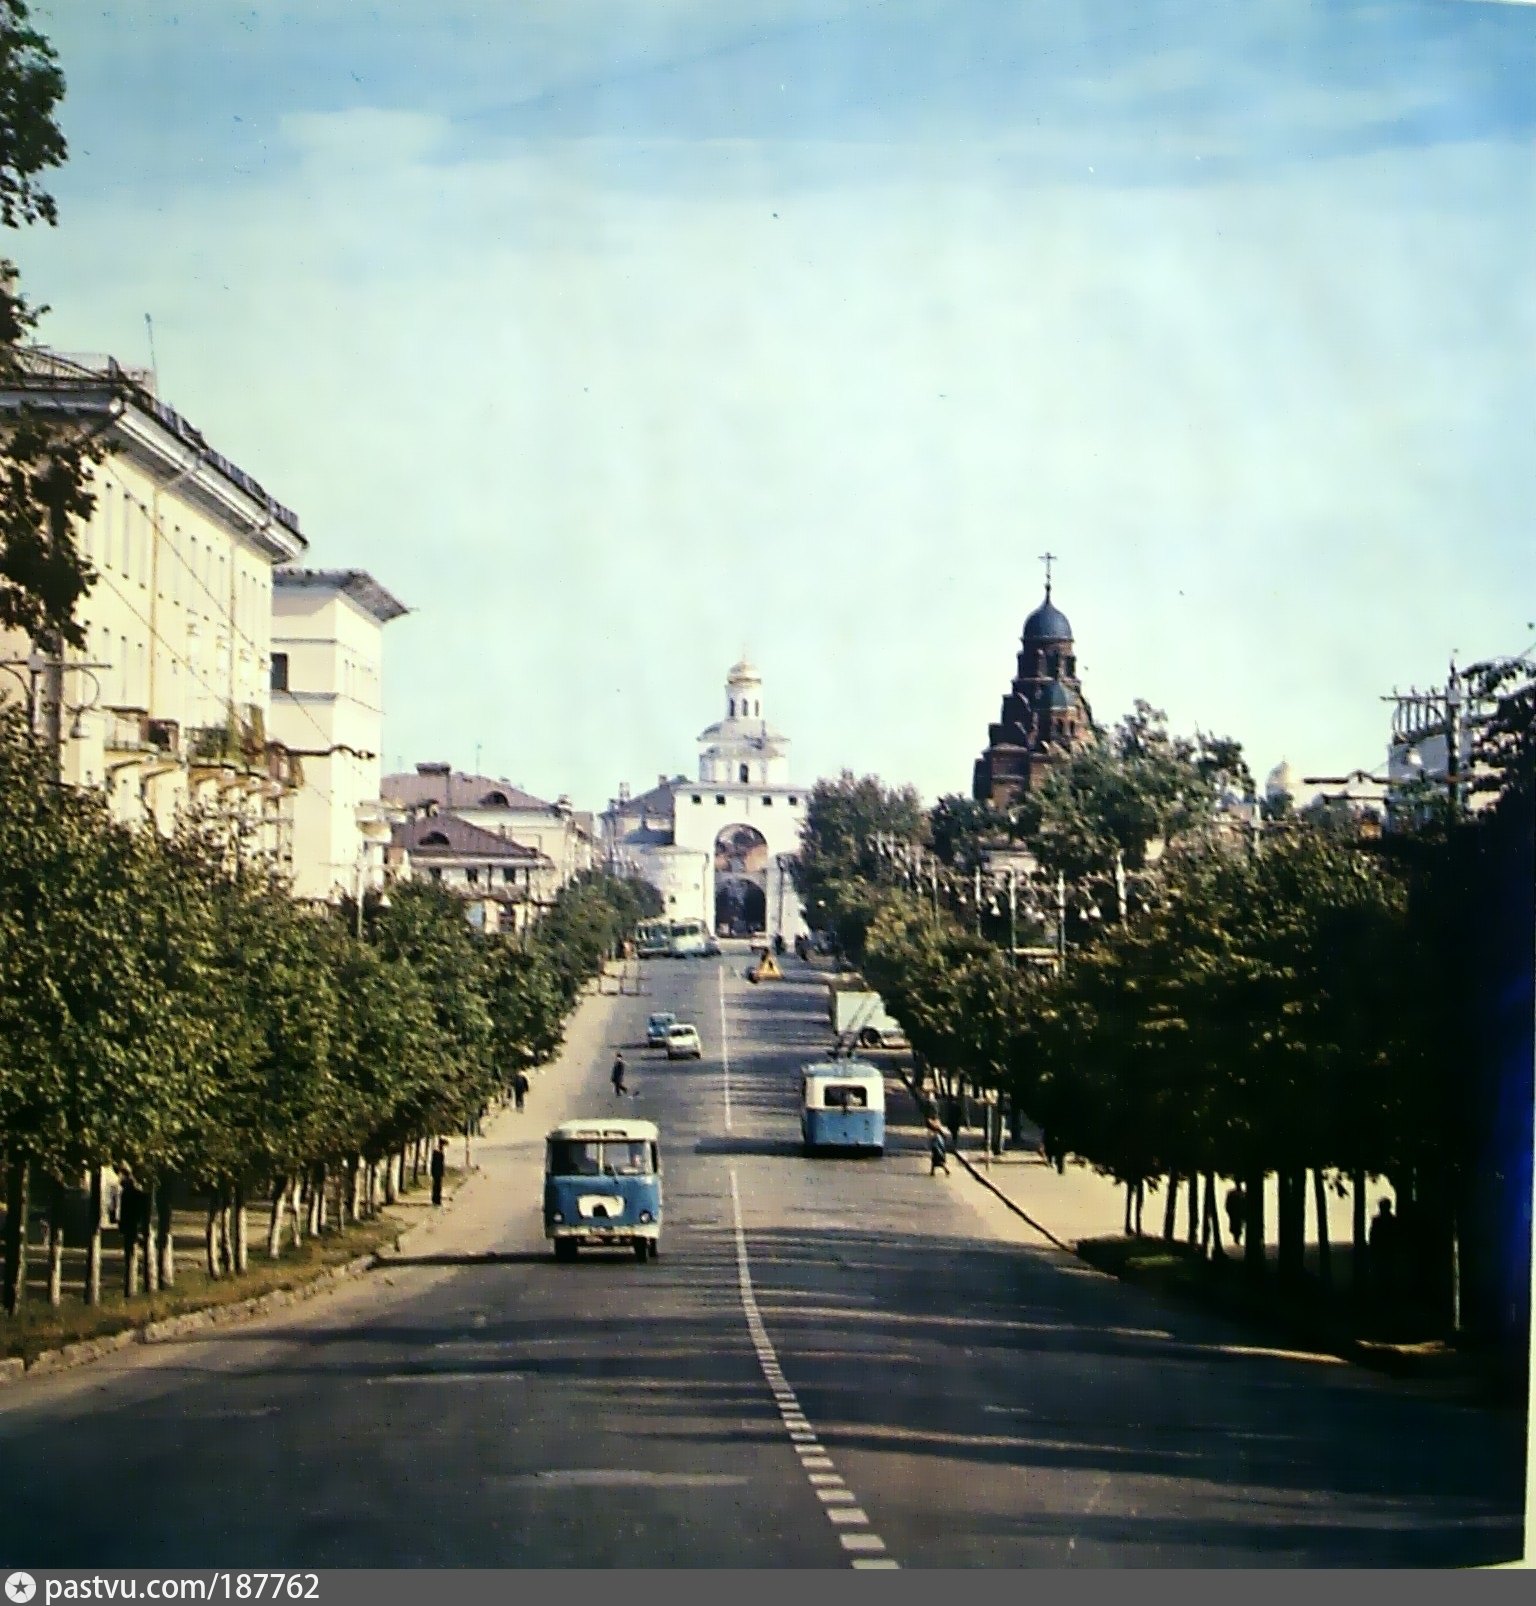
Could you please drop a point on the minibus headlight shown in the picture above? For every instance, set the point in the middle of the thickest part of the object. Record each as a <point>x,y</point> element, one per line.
<point>645,1215</point>
<point>556,1216</point>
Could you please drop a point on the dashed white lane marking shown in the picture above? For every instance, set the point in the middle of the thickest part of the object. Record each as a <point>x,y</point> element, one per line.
<point>725,1048</point>
<point>865,1549</point>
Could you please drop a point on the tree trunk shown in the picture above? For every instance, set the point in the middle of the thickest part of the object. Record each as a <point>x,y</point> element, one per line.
<point>93,1242</point>
<point>1359,1242</point>
<point>296,1207</point>
<point>391,1179</point>
<point>355,1182</point>
<point>1130,1200</point>
<point>211,1233</point>
<point>1324,1248</point>
<point>275,1220</point>
<point>56,1245</point>
<point>165,1231</point>
<point>1171,1208</point>
<point>1210,1239</point>
<point>1254,1259</point>
<point>242,1230</point>
<point>1141,1202</point>
<point>18,1200</point>
<point>131,1240</point>
<point>1293,1224</point>
<point>149,1228</point>
<point>416,1162</point>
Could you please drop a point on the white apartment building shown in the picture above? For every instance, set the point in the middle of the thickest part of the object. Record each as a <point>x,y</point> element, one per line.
<point>327,709</point>
<point>173,706</point>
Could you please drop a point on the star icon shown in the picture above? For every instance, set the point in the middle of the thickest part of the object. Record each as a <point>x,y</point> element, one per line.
<point>20,1588</point>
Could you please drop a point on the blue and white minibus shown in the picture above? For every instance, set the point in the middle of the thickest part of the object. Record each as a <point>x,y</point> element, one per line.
<point>842,1109</point>
<point>602,1185</point>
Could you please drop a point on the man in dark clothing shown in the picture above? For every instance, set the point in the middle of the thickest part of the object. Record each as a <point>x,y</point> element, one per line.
<point>439,1165</point>
<point>1237,1210</point>
<point>619,1088</point>
<point>520,1088</point>
<point>131,1216</point>
<point>954,1119</point>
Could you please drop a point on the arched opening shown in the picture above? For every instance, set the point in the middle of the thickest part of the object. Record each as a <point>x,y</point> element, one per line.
<point>741,882</point>
<point>743,774</point>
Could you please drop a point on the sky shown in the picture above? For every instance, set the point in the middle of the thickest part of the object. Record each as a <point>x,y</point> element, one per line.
<point>619,337</point>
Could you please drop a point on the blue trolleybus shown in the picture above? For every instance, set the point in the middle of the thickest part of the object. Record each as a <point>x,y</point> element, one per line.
<point>842,1109</point>
<point>602,1185</point>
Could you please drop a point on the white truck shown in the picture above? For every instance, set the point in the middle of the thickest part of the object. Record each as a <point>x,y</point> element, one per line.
<point>859,1016</point>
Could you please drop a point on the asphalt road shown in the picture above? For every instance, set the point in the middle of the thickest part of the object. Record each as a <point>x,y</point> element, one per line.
<point>833,1363</point>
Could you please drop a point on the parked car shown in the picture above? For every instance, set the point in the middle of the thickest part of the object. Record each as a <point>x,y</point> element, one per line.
<point>656,1028</point>
<point>683,1042</point>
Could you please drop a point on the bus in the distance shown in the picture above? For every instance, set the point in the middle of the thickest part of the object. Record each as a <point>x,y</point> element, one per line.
<point>653,939</point>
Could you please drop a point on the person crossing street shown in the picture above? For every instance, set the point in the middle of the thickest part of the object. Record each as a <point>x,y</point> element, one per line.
<point>617,1077</point>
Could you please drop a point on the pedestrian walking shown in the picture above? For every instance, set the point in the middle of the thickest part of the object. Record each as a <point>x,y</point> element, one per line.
<point>438,1168</point>
<point>1237,1212</point>
<point>520,1088</point>
<point>617,1077</point>
<point>938,1155</point>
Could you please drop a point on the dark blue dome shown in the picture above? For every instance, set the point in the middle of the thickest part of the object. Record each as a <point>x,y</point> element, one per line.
<point>1047,623</point>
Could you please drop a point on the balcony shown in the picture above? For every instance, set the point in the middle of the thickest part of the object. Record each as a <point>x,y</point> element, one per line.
<point>126,730</point>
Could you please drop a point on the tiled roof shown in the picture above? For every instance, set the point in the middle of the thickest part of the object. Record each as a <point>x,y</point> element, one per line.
<point>657,801</point>
<point>468,791</point>
<point>460,839</point>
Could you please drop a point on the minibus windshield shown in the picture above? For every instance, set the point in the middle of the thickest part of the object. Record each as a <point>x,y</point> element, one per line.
<point>614,1158</point>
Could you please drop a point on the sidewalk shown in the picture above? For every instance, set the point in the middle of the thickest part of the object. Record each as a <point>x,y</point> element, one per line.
<point>1083,1213</point>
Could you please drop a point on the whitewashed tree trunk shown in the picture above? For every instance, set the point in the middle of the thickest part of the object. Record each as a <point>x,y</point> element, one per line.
<point>391,1179</point>
<point>56,1246</point>
<point>317,1201</point>
<point>211,1234</point>
<point>355,1186</point>
<point>149,1228</point>
<point>275,1221</point>
<point>296,1212</point>
<point>242,1230</point>
<point>93,1242</point>
<point>165,1234</point>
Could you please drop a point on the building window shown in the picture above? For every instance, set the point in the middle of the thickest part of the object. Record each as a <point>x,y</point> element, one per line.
<point>720,799</point>
<point>744,774</point>
<point>767,802</point>
<point>793,800</point>
<point>509,877</point>
<point>435,873</point>
<point>472,876</point>
<point>279,671</point>
<point>697,798</point>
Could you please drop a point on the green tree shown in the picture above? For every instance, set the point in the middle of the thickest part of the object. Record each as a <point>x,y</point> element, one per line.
<point>45,464</point>
<point>846,821</point>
